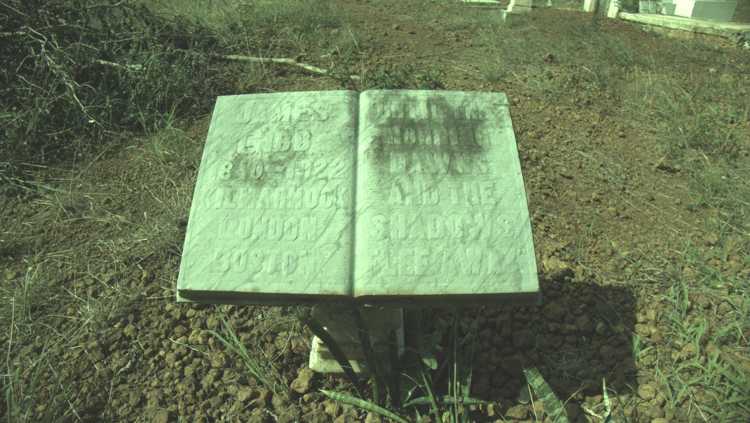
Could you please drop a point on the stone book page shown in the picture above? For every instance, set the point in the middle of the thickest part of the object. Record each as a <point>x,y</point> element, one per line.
<point>271,218</point>
<point>440,202</point>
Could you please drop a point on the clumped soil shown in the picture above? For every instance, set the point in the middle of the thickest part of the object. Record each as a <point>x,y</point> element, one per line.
<point>625,254</point>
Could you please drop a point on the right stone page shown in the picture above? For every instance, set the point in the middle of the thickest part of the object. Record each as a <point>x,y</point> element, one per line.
<point>441,211</point>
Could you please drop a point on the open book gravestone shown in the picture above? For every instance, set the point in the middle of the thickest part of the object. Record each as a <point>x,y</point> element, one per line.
<point>382,199</point>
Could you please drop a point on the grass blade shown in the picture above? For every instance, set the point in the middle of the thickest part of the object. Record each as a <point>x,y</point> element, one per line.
<point>377,371</point>
<point>365,405</point>
<point>552,404</point>
<point>317,329</point>
<point>428,387</point>
<point>394,384</point>
<point>253,367</point>
<point>446,399</point>
<point>607,403</point>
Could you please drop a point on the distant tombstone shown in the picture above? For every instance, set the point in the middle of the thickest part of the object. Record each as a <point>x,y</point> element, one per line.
<point>712,10</point>
<point>481,2</point>
<point>525,6</point>
<point>613,9</point>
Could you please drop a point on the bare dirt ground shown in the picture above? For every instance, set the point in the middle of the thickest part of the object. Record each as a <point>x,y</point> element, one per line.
<point>635,151</point>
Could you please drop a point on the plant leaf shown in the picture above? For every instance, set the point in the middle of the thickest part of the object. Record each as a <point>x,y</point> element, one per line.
<point>552,405</point>
<point>446,399</point>
<point>363,404</point>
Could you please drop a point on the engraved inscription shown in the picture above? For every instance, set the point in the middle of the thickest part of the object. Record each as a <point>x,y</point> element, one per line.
<point>427,135</point>
<point>265,139</point>
<point>259,262</point>
<point>424,192</point>
<point>442,199</point>
<point>425,226</point>
<point>318,196</point>
<point>437,260</point>
<point>273,166</point>
<point>264,227</point>
<point>433,163</point>
<point>266,155</point>
<point>277,112</point>
<point>272,207</point>
<point>245,167</point>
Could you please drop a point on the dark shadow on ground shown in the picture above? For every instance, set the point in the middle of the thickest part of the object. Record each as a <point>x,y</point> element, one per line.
<point>579,335</point>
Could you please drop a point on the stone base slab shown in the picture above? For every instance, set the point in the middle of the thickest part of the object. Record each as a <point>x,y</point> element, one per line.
<point>722,29</point>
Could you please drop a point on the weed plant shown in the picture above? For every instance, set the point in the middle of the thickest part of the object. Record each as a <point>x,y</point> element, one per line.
<point>77,73</point>
<point>405,389</point>
<point>79,68</point>
<point>261,370</point>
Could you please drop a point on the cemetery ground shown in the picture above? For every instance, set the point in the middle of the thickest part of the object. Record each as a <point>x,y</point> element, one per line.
<point>635,151</point>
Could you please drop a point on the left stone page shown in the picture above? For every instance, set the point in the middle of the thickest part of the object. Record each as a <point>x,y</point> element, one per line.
<point>271,217</point>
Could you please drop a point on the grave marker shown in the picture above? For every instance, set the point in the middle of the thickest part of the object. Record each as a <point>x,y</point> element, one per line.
<point>712,10</point>
<point>381,198</point>
<point>439,213</point>
<point>520,6</point>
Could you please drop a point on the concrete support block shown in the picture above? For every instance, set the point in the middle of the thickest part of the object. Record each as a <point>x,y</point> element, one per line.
<point>382,325</point>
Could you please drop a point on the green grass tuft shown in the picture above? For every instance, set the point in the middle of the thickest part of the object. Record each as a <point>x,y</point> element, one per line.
<point>262,370</point>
